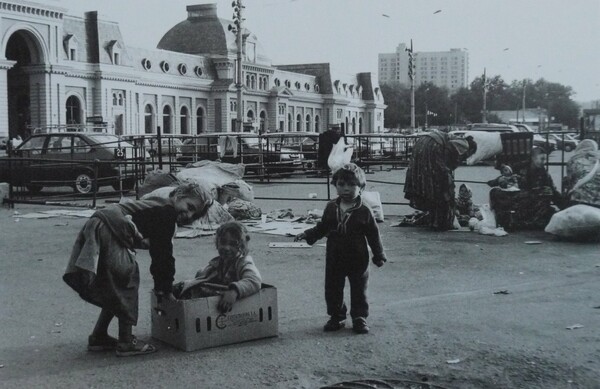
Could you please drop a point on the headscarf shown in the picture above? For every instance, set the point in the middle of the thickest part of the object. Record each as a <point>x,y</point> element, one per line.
<point>506,167</point>
<point>586,146</point>
<point>461,145</point>
<point>465,196</point>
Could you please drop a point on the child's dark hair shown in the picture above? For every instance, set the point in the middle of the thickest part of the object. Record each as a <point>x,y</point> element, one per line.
<point>238,232</point>
<point>351,174</point>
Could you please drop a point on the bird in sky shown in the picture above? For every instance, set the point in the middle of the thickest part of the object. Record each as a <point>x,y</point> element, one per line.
<point>385,16</point>
<point>437,12</point>
<point>506,49</point>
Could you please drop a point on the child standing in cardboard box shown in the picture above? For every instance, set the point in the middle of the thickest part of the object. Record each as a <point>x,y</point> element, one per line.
<point>233,268</point>
<point>349,226</point>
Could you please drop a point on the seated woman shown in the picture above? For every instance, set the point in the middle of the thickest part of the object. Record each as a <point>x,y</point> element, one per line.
<point>582,182</point>
<point>532,206</point>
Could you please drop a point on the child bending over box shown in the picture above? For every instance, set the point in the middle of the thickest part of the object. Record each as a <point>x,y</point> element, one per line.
<point>233,269</point>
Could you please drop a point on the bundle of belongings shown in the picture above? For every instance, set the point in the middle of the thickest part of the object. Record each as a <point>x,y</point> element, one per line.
<point>234,197</point>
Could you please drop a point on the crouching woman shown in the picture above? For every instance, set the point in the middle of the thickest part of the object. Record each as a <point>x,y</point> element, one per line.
<point>103,270</point>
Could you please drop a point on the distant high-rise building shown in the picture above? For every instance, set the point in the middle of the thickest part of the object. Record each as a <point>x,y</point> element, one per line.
<point>448,69</point>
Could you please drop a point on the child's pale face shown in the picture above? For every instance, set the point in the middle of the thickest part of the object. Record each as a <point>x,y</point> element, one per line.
<point>347,191</point>
<point>506,172</point>
<point>228,246</point>
<point>188,209</point>
<point>463,191</point>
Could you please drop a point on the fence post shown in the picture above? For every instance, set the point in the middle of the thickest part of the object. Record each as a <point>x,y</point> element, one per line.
<point>159,147</point>
<point>95,184</point>
<point>10,171</point>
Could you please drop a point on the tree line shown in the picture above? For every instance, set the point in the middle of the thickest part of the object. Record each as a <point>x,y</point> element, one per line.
<point>466,104</point>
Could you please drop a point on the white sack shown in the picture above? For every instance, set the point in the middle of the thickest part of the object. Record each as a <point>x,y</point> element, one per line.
<point>211,176</point>
<point>340,155</point>
<point>373,201</point>
<point>579,222</point>
<point>489,145</point>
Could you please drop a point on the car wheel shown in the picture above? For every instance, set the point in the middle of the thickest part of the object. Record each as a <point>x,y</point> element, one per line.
<point>34,188</point>
<point>569,148</point>
<point>84,183</point>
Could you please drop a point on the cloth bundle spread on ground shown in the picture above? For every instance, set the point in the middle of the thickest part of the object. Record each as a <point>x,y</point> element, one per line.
<point>579,222</point>
<point>489,145</point>
<point>340,155</point>
<point>243,210</point>
<point>373,201</point>
<point>212,175</point>
<point>157,179</point>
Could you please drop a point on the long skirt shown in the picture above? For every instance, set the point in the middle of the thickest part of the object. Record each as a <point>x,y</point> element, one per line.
<point>430,184</point>
<point>103,272</point>
<point>522,209</point>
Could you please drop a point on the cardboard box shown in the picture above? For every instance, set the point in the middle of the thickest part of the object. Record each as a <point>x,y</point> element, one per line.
<point>197,323</point>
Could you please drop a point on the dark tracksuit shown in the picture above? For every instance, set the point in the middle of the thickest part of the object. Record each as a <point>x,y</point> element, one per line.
<point>347,256</point>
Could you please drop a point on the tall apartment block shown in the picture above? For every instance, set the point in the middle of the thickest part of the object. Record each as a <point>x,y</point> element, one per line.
<point>448,69</point>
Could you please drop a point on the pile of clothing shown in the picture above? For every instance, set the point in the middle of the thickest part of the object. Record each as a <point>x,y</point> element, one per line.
<point>234,198</point>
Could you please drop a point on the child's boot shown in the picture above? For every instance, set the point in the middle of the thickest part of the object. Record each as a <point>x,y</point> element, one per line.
<point>359,325</point>
<point>334,325</point>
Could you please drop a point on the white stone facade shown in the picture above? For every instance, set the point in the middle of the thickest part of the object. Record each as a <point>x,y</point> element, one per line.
<point>60,70</point>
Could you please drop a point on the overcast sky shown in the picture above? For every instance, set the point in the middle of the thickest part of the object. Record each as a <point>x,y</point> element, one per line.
<point>555,39</point>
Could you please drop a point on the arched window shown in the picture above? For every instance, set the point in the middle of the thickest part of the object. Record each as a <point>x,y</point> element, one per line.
<point>298,123</point>
<point>308,126</point>
<point>354,125</point>
<point>250,115</point>
<point>360,127</point>
<point>253,82</point>
<point>166,119</point>
<point>115,101</point>
<point>184,118</point>
<point>199,120</point>
<point>263,121</point>
<point>73,110</point>
<point>317,124</point>
<point>290,122</point>
<point>248,80</point>
<point>148,119</point>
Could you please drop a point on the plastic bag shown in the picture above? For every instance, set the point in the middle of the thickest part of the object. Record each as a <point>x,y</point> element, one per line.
<point>488,217</point>
<point>340,155</point>
<point>579,222</point>
<point>243,210</point>
<point>373,201</point>
<point>489,145</point>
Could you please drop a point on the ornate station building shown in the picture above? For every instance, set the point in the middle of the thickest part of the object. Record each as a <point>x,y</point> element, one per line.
<point>60,70</point>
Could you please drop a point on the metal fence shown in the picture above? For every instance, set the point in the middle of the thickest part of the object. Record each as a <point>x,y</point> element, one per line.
<point>278,159</point>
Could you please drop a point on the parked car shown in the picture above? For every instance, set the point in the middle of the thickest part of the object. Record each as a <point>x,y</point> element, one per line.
<point>249,150</point>
<point>67,159</point>
<point>564,142</point>
<point>306,143</point>
<point>170,146</point>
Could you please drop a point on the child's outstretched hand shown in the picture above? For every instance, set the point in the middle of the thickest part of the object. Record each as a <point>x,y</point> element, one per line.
<point>228,298</point>
<point>300,236</point>
<point>378,261</point>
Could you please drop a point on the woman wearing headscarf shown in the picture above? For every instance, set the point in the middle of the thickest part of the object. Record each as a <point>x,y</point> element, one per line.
<point>532,206</point>
<point>582,182</point>
<point>430,176</point>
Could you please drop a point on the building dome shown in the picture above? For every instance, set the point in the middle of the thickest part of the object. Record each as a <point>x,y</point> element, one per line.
<point>204,33</point>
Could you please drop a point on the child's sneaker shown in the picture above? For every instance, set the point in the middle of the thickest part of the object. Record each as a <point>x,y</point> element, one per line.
<point>359,325</point>
<point>334,325</point>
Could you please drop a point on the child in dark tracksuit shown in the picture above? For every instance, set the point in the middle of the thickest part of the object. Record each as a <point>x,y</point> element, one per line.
<point>349,226</point>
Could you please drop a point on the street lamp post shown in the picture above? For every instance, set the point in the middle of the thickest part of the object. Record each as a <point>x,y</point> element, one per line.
<point>411,75</point>
<point>485,88</point>
<point>238,31</point>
